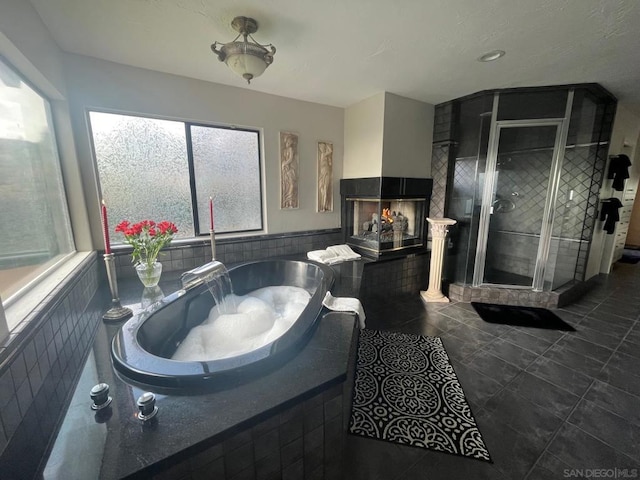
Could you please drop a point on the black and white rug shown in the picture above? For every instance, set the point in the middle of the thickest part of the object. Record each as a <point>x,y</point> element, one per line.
<point>407,392</point>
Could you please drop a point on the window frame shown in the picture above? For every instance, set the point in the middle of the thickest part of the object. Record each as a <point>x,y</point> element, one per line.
<point>198,233</point>
<point>15,308</point>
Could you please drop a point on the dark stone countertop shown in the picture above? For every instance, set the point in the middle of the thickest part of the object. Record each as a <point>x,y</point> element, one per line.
<point>114,444</point>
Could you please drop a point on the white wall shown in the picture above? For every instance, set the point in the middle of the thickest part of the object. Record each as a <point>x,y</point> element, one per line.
<point>94,83</point>
<point>408,135</point>
<point>626,129</point>
<point>363,137</point>
<point>388,135</point>
<point>27,44</point>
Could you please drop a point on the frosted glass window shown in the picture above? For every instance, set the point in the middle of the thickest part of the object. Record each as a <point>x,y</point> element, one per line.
<point>150,168</point>
<point>227,168</point>
<point>36,230</point>
<point>143,170</point>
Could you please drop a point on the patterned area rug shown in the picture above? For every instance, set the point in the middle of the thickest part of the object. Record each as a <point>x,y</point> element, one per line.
<point>407,392</point>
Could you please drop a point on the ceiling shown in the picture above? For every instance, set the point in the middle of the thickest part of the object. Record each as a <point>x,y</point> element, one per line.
<point>338,52</point>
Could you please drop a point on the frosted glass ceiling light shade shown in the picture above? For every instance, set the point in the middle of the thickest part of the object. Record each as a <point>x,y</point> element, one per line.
<point>247,58</point>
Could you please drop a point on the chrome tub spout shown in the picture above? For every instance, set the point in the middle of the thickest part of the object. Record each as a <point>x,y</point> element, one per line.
<point>201,274</point>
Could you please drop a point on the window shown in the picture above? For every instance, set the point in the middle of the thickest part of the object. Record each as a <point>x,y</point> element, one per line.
<point>36,231</point>
<point>167,170</point>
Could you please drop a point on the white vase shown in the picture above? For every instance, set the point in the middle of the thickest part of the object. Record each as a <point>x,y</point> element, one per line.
<point>149,275</point>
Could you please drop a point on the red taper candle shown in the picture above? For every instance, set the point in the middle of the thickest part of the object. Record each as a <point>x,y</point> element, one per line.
<point>211,212</point>
<point>105,228</point>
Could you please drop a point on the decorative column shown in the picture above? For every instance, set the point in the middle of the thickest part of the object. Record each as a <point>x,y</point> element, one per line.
<point>438,234</point>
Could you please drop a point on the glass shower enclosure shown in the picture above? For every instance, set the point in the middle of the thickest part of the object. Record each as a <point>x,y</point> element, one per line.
<point>523,168</point>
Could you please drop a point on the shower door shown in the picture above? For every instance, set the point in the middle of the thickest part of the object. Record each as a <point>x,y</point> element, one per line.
<point>518,200</point>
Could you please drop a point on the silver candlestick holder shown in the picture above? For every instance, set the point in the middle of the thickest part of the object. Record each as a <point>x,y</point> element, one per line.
<point>213,244</point>
<point>117,312</point>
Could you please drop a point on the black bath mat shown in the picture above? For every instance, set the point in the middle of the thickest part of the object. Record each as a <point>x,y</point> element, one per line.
<point>629,259</point>
<point>407,392</point>
<point>521,316</point>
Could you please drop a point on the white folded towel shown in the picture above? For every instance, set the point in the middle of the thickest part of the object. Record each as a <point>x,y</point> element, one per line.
<point>345,304</point>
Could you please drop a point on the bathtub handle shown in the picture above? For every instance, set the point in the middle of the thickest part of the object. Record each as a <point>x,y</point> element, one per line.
<point>147,406</point>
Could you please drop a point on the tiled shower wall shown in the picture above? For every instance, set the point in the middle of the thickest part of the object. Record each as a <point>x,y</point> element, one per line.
<point>582,173</point>
<point>440,159</point>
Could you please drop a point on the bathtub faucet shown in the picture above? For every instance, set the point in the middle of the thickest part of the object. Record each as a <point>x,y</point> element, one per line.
<point>203,273</point>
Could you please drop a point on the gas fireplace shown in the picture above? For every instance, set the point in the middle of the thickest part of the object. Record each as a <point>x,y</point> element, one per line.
<point>385,215</point>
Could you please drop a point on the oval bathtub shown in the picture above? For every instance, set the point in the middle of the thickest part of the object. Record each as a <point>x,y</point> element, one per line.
<point>142,348</point>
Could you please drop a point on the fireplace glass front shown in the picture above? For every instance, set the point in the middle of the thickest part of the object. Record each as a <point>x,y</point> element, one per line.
<point>378,226</point>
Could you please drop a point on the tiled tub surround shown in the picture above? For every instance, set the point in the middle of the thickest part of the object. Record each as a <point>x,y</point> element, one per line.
<point>39,363</point>
<point>41,360</point>
<point>285,423</point>
<point>231,251</point>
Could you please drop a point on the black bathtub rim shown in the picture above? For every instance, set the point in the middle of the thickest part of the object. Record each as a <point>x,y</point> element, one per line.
<point>132,361</point>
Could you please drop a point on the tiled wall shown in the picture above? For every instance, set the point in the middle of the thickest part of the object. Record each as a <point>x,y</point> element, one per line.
<point>442,134</point>
<point>237,250</point>
<point>304,441</point>
<point>40,363</point>
<point>401,275</point>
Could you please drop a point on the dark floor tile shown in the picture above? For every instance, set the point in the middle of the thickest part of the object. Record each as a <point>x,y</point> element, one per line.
<point>609,324</point>
<point>571,318</point>
<point>419,327</point>
<point>615,400</point>
<point>620,309</point>
<point>541,473</point>
<point>478,388</point>
<point>548,467</point>
<point>512,452</point>
<point>629,348</point>
<point>527,341</point>
<point>511,352</point>
<point>431,320</point>
<point>544,333</point>
<point>524,416</point>
<point>441,466</point>
<point>559,375</point>
<point>460,311</point>
<point>634,335</point>
<point>471,334</point>
<point>544,394</point>
<point>458,348</point>
<point>625,362</point>
<point>595,336</point>
<point>582,306</point>
<point>495,329</point>
<point>368,459</point>
<point>382,312</point>
<point>585,347</point>
<point>620,378</point>
<point>492,366</point>
<point>577,361</point>
<point>607,427</point>
<point>579,450</point>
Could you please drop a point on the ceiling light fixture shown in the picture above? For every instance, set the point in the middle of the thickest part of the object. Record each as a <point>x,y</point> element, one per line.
<point>491,56</point>
<point>247,59</point>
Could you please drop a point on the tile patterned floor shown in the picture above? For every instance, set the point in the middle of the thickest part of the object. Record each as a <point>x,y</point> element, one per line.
<point>549,404</point>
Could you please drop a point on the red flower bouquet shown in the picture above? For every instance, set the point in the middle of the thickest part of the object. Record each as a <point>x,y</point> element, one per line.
<point>147,239</point>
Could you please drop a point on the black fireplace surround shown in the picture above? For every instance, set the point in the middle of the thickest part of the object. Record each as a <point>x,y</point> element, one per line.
<point>385,216</point>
